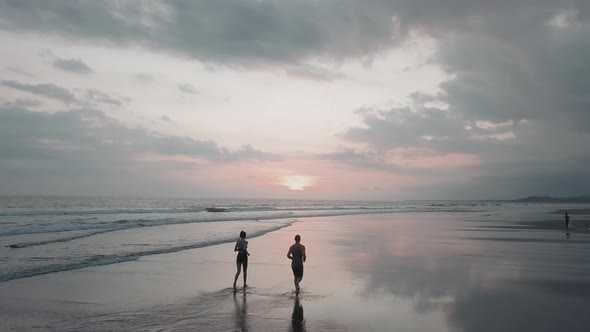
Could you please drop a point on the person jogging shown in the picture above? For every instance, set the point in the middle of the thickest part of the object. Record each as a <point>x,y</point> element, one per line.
<point>242,259</point>
<point>297,256</point>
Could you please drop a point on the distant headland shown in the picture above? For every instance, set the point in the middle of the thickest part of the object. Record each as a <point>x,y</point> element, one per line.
<point>549,199</point>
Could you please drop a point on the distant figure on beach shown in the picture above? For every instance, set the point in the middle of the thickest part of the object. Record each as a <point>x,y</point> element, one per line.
<point>567,220</point>
<point>242,260</point>
<point>297,256</point>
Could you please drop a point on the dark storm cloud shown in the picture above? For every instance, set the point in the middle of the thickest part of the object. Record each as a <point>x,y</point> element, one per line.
<point>246,30</point>
<point>231,31</point>
<point>538,75</point>
<point>249,31</point>
<point>518,98</point>
<point>72,65</point>
<point>402,127</point>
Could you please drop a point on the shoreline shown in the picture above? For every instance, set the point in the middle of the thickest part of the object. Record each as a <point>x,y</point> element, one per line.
<point>364,272</point>
<point>50,249</point>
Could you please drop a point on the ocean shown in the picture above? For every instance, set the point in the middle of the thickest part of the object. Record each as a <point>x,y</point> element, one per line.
<point>40,235</point>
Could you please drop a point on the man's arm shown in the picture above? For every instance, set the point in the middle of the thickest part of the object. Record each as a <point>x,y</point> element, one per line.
<point>303,252</point>
<point>290,253</point>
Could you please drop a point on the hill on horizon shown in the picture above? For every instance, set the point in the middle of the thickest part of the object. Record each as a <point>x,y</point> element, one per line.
<point>550,199</point>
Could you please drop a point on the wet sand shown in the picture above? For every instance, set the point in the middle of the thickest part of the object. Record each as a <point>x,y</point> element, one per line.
<point>392,272</point>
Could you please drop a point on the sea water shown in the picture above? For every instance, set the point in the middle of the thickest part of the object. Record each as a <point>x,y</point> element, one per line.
<point>41,235</point>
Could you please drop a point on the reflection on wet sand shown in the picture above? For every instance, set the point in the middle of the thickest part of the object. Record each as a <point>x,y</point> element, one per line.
<point>241,319</point>
<point>530,281</point>
<point>297,320</point>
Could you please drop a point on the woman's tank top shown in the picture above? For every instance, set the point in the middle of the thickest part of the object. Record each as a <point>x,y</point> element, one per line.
<point>241,245</point>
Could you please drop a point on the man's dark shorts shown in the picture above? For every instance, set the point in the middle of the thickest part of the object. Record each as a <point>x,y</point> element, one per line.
<point>297,271</point>
<point>243,258</point>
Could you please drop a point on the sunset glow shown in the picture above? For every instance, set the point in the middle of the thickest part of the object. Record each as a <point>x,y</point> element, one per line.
<point>296,182</point>
<point>370,101</point>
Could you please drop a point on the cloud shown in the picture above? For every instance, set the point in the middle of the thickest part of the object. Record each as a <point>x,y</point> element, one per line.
<point>144,77</point>
<point>187,88</point>
<point>226,31</point>
<point>47,90</point>
<point>359,159</point>
<point>72,65</point>
<point>93,130</point>
<point>403,127</point>
<point>24,102</point>
<point>283,32</point>
<point>247,152</point>
<point>97,96</point>
<point>275,31</point>
<point>516,100</point>
<point>308,72</point>
<point>89,146</point>
<point>89,97</point>
<point>18,71</point>
<point>483,158</point>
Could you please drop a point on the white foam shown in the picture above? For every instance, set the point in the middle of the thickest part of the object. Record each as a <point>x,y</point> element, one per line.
<point>96,260</point>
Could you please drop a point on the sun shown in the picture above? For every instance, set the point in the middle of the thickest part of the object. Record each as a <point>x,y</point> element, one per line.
<point>296,182</point>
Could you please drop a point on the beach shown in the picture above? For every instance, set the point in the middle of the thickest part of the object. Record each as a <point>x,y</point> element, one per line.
<point>439,271</point>
<point>430,155</point>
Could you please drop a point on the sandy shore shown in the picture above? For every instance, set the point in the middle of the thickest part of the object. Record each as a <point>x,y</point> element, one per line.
<point>392,272</point>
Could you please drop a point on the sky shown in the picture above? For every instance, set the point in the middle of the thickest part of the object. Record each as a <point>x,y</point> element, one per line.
<point>307,99</point>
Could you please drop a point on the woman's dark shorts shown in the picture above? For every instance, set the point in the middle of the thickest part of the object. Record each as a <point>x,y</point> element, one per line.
<point>297,271</point>
<point>243,258</point>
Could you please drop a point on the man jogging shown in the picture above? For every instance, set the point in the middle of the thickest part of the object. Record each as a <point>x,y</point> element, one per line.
<point>297,256</point>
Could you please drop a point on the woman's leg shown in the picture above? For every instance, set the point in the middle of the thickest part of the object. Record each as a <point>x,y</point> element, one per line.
<point>245,272</point>
<point>239,267</point>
